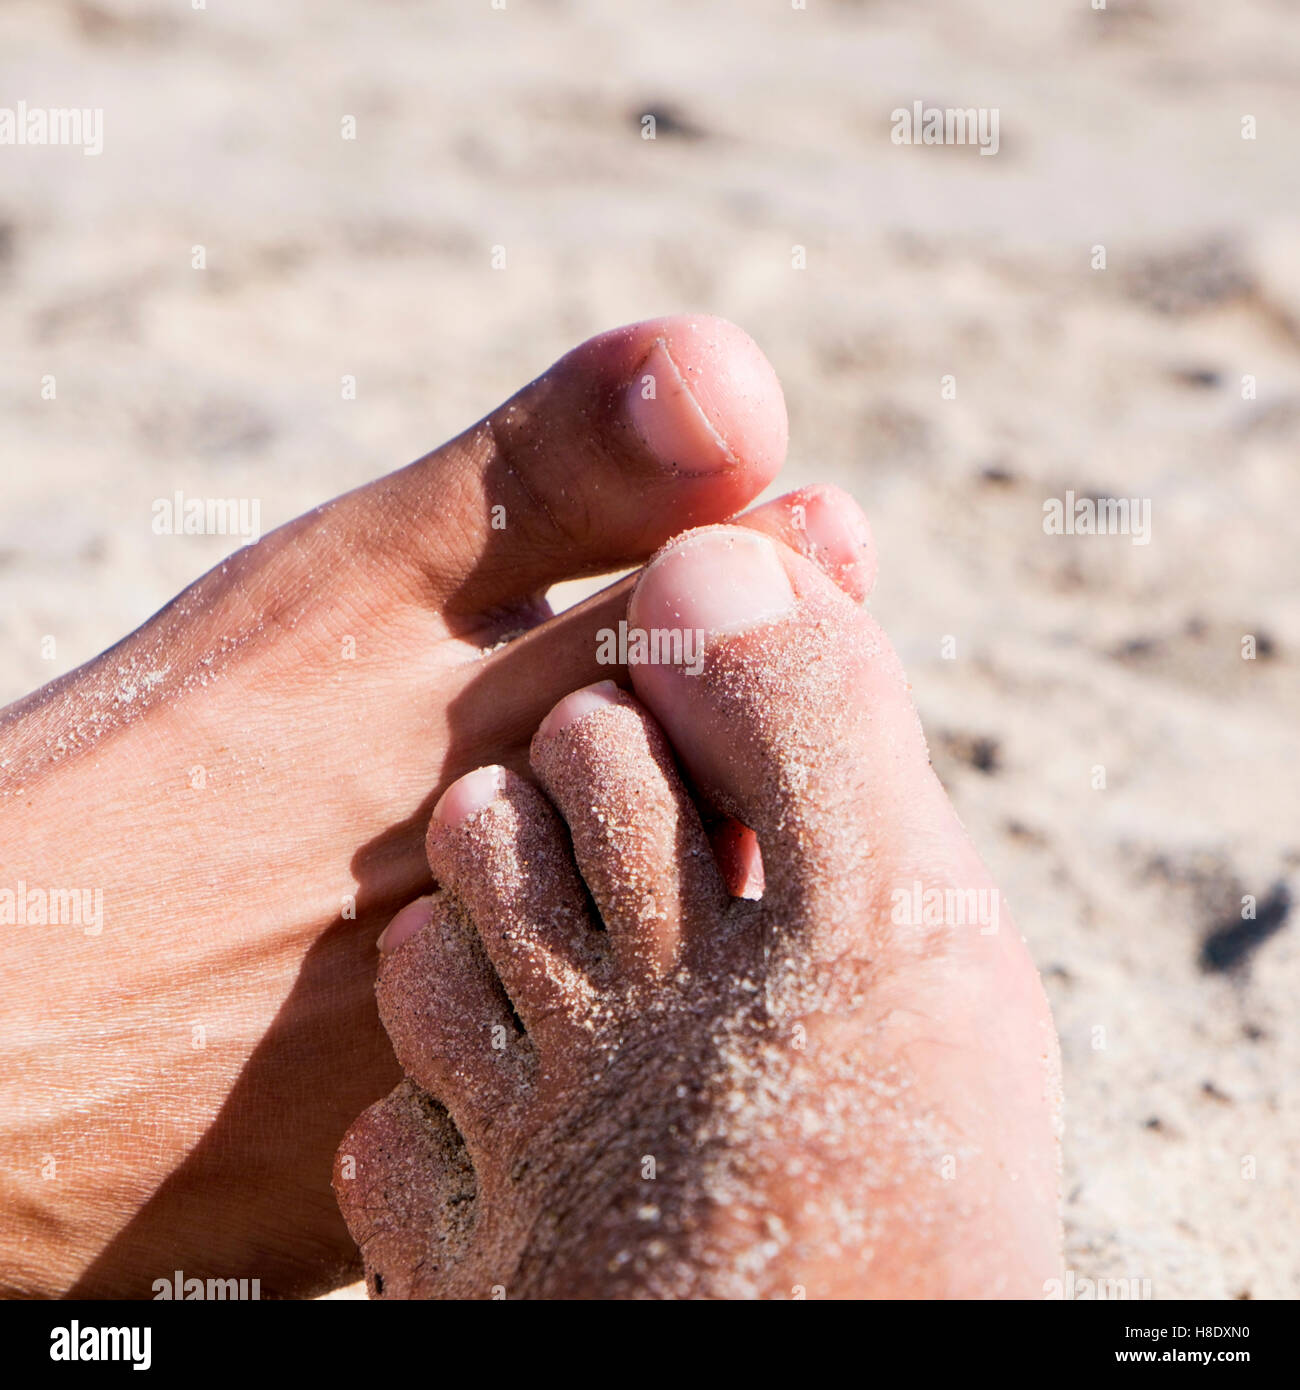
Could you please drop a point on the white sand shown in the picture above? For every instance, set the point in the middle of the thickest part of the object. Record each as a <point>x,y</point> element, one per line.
<point>479,128</point>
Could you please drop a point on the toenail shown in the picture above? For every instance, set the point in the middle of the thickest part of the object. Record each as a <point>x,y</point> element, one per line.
<point>411,919</point>
<point>573,707</point>
<point>836,527</point>
<point>671,422</point>
<point>715,581</point>
<point>469,794</point>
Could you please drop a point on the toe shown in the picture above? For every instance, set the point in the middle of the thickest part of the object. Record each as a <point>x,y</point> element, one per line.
<point>511,691</point>
<point>800,724</point>
<point>450,1022</point>
<point>406,1188</point>
<point>825,525</point>
<point>735,847</point>
<point>636,833</point>
<point>631,437</point>
<point>497,845</point>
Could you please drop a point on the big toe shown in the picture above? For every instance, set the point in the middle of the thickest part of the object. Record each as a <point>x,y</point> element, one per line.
<point>631,437</point>
<point>795,717</point>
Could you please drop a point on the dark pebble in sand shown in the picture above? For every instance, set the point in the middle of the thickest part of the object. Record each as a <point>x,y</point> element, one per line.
<point>1232,943</point>
<point>1205,378</point>
<point>669,120</point>
<point>997,476</point>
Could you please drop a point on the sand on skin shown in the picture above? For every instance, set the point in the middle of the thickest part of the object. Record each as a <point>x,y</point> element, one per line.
<point>373,259</point>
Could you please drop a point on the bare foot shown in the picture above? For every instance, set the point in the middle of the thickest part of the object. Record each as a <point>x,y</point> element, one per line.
<point>846,1088</point>
<point>247,780</point>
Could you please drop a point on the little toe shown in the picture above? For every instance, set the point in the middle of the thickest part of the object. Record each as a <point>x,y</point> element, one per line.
<point>407,1189</point>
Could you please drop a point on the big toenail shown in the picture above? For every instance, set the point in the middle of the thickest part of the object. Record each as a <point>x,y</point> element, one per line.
<point>469,794</point>
<point>411,919</point>
<point>712,582</point>
<point>670,420</point>
<point>574,707</point>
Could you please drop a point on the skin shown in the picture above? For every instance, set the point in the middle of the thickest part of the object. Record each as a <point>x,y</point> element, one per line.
<point>242,901</point>
<point>840,1099</point>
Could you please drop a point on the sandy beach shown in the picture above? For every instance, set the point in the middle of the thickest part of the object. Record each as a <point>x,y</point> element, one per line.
<point>1115,716</point>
